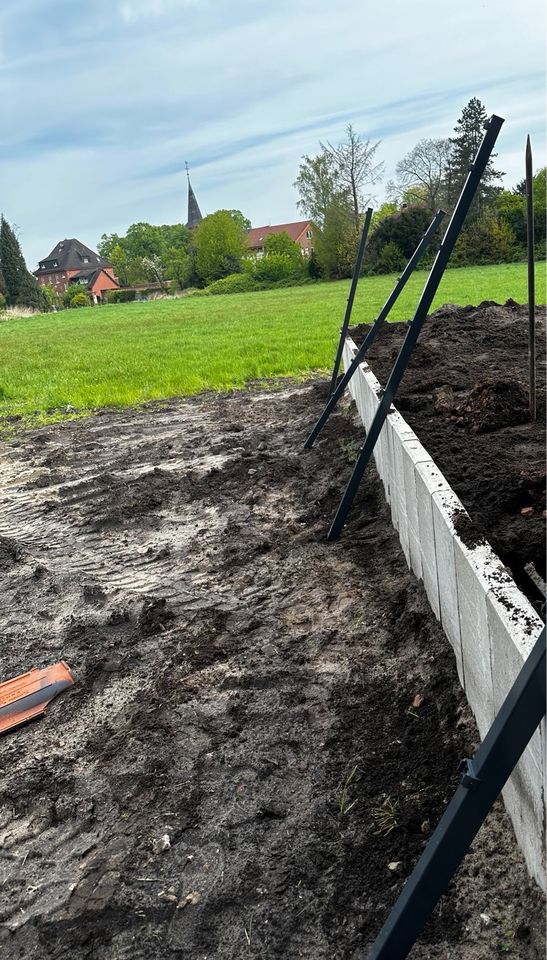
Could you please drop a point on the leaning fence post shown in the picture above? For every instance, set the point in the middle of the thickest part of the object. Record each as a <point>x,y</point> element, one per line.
<point>452,232</point>
<point>351,298</point>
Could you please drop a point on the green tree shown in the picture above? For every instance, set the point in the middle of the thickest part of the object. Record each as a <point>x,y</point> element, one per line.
<point>485,240</point>
<point>469,132</point>
<point>12,261</point>
<point>241,219</point>
<point>178,266</point>
<point>314,270</point>
<point>107,243</point>
<point>387,209</point>
<point>403,230</point>
<point>155,270</point>
<point>120,261</point>
<point>143,240</point>
<point>281,243</point>
<point>318,186</point>
<point>22,289</point>
<point>336,244</point>
<point>220,244</point>
<point>510,207</point>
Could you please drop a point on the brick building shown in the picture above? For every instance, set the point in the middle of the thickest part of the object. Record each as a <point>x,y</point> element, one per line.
<point>299,232</point>
<point>72,262</point>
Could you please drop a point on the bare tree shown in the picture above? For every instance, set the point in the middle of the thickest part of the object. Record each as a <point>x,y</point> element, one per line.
<point>353,160</point>
<point>423,175</point>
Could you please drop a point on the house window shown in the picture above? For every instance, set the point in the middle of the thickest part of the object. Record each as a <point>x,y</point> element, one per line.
<point>308,234</point>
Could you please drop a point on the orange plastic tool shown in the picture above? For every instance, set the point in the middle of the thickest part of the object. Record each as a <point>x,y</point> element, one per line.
<point>27,696</point>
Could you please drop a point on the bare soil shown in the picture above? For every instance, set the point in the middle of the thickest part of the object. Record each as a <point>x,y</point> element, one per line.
<point>262,721</point>
<point>465,394</point>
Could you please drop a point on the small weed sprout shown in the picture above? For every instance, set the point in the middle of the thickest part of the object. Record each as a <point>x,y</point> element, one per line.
<point>507,936</point>
<point>344,804</point>
<point>385,816</point>
<point>350,449</point>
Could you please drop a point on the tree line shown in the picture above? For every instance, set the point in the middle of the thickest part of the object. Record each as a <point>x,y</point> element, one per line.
<point>336,185</point>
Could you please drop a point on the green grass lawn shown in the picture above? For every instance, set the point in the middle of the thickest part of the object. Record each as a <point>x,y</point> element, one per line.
<point>124,354</point>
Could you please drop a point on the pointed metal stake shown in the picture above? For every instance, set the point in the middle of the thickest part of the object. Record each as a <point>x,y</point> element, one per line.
<point>531,279</point>
<point>424,304</point>
<point>351,298</point>
<point>375,329</point>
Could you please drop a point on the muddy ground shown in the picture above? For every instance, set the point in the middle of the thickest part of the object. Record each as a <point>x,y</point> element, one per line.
<point>465,393</point>
<point>262,722</point>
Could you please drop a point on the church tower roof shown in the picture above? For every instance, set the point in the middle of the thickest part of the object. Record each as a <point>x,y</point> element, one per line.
<point>194,213</point>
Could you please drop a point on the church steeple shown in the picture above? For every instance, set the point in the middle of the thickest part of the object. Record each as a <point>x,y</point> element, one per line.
<point>194,213</point>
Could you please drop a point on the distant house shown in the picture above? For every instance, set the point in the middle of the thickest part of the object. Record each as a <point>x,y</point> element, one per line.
<point>300,232</point>
<point>72,262</point>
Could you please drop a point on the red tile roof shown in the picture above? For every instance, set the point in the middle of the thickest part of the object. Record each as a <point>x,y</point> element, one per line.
<point>257,235</point>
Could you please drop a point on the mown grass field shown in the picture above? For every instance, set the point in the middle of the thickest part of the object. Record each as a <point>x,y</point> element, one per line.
<point>125,354</point>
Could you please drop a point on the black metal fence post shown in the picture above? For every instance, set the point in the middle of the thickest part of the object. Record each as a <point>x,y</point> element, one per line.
<point>351,298</point>
<point>531,279</point>
<point>426,299</point>
<point>482,781</point>
<point>375,329</point>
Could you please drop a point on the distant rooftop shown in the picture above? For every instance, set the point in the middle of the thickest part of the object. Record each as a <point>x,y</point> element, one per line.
<point>257,235</point>
<point>71,255</point>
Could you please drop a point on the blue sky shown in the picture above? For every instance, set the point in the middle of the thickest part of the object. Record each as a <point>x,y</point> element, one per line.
<point>101,103</point>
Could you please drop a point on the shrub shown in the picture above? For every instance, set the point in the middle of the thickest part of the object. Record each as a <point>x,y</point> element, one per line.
<point>404,229</point>
<point>282,243</point>
<point>274,267</point>
<point>390,258</point>
<point>234,283</point>
<point>51,294</point>
<point>72,291</point>
<point>121,296</point>
<point>314,270</point>
<point>80,299</point>
<point>487,240</point>
<point>2,301</point>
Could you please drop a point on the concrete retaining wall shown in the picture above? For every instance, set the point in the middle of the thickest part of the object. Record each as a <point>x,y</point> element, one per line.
<point>490,624</point>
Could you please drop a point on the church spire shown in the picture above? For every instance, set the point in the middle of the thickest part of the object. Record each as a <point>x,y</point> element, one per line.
<point>194,213</point>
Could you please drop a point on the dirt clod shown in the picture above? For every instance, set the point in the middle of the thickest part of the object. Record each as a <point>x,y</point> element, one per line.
<point>465,394</point>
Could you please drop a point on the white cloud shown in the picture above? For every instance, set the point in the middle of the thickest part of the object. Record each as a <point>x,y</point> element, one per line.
<point>96,123</point>
<point>133,10</point>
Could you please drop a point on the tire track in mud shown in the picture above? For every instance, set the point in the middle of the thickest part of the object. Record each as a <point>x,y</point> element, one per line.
<point>232,669</point>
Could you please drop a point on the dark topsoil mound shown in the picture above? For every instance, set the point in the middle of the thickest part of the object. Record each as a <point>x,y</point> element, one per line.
<point>265,727</point>
<point>465,394</point>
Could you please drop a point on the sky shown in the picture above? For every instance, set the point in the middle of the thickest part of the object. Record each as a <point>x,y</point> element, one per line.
<point>102,102</point>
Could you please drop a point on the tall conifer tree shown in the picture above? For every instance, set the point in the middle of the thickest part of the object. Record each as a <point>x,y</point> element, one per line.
<point>21,287</point>
<point>469,132</point>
